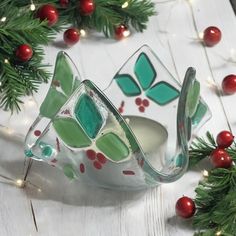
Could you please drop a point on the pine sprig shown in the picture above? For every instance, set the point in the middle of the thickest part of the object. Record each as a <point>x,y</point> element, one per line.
<point>216,203</point>
<point>215,194</point>
<point>109,14</point>
<point>201,149</point>
<point>21,27</point>
<point>20,79</point>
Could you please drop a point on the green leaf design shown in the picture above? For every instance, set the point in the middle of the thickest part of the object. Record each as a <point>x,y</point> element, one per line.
<point>162,93</point>
<point>128,85</point>
<point>71,133</point>
<point>63,77</point>
<point>52,103</point>
<point>113,147</point>
<point>200,112</point>
<point>144,71</point>
<point>88,115</point>
<point>63,73</point>
<point>192,99</point>
<point>69,171</point>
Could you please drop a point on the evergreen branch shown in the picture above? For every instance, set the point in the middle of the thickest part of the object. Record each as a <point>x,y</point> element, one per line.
<point>201,149</point>
<point>21,79</point>
<point>109,14</point>
<point>216,201</point>
<point>216,194</point>
<point>22,27</point>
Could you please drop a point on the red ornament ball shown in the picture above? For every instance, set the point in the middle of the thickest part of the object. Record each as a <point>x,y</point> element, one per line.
<point>185,207</point>
<point>71,36</point>
<point>220,158</point>
<point>211,36</point>
<point>48,12</point>
<point>24,52</point>
<point>87,7</point>
<point>229,84</point>
<point>64,3</point>
<point>121,32</point>
<point>224,139</point>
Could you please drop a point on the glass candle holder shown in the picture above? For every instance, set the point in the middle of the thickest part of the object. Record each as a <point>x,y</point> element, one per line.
<point>133,135</point>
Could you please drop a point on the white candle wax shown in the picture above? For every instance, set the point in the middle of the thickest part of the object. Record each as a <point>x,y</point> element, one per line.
<point>152,137</point>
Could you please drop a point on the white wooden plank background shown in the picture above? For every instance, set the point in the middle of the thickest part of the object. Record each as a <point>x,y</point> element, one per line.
<point>66,208</point>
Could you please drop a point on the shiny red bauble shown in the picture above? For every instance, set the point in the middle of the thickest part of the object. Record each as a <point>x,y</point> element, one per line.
<point>229,84</point>
<point>121,32</point>
<point>71,36</point>
<point>86,7</point>
<point>24,52</point>
<point>220,158</point>
<point>185,207</point>
<point>48,12</point>
<point>211,36</point>
<point>224,139</point>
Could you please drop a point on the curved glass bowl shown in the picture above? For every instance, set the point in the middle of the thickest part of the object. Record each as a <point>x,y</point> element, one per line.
<point>133,135</point>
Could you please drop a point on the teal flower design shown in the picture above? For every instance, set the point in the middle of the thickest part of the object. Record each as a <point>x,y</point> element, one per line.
<point>161,93</point>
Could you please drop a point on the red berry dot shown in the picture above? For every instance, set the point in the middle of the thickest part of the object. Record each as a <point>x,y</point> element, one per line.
<point>37,133</point>
<point>138,101</point>
<point>97,165</point>
<point>128,172</point>
<point>142,109</point>
<point>141,163</point>
<point>91,154</point>
<point>101,158</point>
<point>145,102</point>
<point>82,168</point>
<point>120,109</point>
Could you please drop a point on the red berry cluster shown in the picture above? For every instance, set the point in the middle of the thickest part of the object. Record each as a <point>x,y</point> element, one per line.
<point>220,157</point>
<point>98,158</point>
<point>142,103</point>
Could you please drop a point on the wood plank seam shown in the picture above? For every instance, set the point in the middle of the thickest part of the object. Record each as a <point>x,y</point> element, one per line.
<point>33,215</point>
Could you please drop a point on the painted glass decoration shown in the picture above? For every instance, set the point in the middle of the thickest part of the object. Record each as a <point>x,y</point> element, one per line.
<point>132,135</point>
